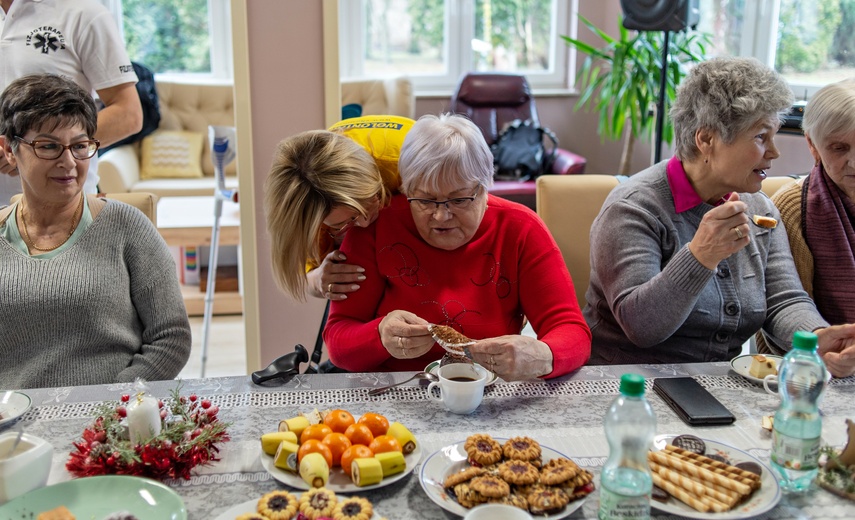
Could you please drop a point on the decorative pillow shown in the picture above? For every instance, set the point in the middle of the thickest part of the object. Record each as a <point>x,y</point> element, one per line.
<point>171,154</point>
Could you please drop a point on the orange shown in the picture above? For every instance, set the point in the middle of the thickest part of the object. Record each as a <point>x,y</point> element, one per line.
<point>315,446</point>
<point>315,431</point>
<point>339,420</point>
<point>384,443</point>
<point>337,443</point>
<point>357,451</point>
<point>378,424</point>
<point>359,434</point>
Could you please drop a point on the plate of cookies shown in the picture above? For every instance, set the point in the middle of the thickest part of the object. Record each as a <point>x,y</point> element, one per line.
<point>316,503</point>
<point>518,471</point>
<point>701,478</point>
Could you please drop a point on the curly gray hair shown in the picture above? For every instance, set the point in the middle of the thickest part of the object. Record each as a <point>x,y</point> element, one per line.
<point>728,96</point>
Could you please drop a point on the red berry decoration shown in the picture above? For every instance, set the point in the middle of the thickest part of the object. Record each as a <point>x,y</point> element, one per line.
<point>125,398</point>
<point>122,411</point>
<point>206,403</point>
<point>193,398</point>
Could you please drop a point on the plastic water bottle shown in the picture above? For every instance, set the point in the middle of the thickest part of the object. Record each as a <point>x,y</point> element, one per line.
<point>795,438</point>
<point>625,484</point>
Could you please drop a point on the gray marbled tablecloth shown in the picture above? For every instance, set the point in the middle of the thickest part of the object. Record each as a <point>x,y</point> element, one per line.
<point>565,414</point>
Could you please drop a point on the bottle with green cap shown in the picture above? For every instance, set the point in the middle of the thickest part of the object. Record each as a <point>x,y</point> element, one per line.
<point>798,425</point>
<point>626,484</point>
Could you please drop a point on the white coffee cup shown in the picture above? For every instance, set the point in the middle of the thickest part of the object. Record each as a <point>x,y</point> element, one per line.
<point>461,387</point>
<point>28,466</point>
<point>496,512</point>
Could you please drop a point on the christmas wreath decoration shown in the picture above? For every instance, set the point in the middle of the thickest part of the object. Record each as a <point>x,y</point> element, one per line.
<point>189,433</point>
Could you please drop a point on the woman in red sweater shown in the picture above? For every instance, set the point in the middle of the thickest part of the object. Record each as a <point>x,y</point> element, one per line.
<point>450,254</point>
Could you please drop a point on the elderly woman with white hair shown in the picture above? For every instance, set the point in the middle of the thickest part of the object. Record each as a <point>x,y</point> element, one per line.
<point>449,253</point>
<point>679,273</point>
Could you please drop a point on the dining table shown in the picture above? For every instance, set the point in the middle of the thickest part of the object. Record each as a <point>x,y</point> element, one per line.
<point>565,414</point>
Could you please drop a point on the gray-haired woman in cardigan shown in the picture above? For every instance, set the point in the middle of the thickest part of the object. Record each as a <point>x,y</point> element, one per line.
<point>678,272</point>
<point>88,290</point>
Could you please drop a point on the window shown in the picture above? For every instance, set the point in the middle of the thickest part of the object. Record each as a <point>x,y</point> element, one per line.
<point>191,37</point>
<point>436,41</point>
<point>810,42</point>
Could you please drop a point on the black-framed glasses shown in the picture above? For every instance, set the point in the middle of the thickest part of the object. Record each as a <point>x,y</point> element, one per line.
<point>50,150</point>
<point>457,203</point>
<point>335,232</point>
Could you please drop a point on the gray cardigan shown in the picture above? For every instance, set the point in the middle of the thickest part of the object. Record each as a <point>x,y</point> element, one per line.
<point>108,309</point>
<point>651,301</point>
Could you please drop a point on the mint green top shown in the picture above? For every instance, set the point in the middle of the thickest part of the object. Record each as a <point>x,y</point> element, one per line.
<point>804,340</point>
<point>632,385</point>
<point>12,235</point>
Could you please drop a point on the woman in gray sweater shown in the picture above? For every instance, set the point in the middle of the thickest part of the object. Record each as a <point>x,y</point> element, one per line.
<point>88,290</point>
<point>679,273</point>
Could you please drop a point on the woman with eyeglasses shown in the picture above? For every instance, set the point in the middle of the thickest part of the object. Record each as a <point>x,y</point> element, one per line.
<point>88,289</point>
<point>321,184</point>
<point>450,254</point>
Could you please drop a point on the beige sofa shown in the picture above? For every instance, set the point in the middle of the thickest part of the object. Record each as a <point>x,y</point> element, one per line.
<point>192,107</point>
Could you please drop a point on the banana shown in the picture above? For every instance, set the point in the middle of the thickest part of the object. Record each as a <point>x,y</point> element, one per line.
<point>404,436</point>
<point>366,471</point>
<point>270,441</point>
<point>286,456</point>
<point>314,416</point>
<point>294,424</point>
<point>314,470</point>
<point>391,462</point>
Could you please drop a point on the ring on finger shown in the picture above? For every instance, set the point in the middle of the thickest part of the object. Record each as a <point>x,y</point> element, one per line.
<point>739,234</point>
<point>329,288</point>
<point>401,344</point>
<point>492,361</point>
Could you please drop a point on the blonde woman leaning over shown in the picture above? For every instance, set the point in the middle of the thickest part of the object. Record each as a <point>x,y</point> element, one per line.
<point>321,184</point>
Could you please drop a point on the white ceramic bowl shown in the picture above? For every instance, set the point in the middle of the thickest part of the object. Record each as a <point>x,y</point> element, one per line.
<point>496,512</point>
<point>27,468</point>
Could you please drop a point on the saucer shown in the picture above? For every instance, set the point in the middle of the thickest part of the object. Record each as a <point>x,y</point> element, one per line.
<point>434,365</point>
<point>12,405</point>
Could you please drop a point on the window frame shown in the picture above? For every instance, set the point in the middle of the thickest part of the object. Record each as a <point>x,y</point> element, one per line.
<point>460,28</point>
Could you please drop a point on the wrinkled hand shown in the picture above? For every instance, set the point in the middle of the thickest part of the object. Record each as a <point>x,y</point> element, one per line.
<point>514,357</point>
<point>6,168</point>
<point>837,349</point>
<point>724,230</point>
<point>405,335</point>
<point>333,279</point>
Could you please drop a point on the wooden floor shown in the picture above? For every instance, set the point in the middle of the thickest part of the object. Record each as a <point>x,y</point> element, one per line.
<point>226,348</point>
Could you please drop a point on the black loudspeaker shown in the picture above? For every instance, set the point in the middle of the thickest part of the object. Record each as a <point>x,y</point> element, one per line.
<point>660,15</point>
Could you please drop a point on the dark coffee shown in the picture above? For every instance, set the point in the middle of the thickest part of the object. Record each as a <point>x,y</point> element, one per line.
<point>462,379</point>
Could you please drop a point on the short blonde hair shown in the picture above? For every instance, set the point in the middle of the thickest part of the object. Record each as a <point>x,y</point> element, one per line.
<point>830,111</point>
<point>446,149</point>
<point>312,173</point>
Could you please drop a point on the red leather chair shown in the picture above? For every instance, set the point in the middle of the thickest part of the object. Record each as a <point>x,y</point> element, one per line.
<point>492,100</point>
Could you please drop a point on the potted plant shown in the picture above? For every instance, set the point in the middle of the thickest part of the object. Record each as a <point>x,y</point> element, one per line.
<point>621,80</point>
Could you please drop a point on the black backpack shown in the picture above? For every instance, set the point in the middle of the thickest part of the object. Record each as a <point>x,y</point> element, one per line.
<point>150,106</point>
<point>519,153</point>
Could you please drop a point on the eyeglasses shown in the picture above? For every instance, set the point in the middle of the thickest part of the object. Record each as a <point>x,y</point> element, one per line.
<point>50,150</point>
<point>335,232</point>
<point>457,203</point>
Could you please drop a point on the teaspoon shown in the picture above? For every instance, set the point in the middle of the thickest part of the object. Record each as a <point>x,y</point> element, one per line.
<point>418,375</point>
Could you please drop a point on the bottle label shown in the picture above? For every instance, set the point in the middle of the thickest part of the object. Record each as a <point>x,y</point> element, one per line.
<point>797,454</point>
<point>616,506</point>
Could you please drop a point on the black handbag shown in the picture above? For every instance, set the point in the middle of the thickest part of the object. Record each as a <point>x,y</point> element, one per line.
<point>519,152</point>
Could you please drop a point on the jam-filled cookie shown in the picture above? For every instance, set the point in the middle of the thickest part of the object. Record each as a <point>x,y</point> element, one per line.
<point>518,472</point>
<point>467,496</point>
<point>482,449</point>
<point>317,502</point>
<point>353,508</point>
<point>278,505</point>
<point>462,476</point>
<point>522,448</point>
<point>490,487</point>
<point>547,500</point>
<point>558,471</point>
<point>514,499</point>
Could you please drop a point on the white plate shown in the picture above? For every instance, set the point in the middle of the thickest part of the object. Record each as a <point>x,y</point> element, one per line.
<point>491,377</point>
<point>452,459</point>
<point>741,365</point>
<point>12,405</point>
<point>761,501</point>
<point>250,506</point>
<point>339,482</point>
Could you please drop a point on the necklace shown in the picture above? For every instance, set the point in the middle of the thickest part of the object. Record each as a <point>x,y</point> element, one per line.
<point>74,221</point>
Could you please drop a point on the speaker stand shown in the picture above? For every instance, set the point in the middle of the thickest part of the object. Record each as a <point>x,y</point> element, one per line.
<point>660,104</point>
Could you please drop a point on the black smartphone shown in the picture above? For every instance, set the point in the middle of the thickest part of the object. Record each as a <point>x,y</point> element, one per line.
<point>692,402</point>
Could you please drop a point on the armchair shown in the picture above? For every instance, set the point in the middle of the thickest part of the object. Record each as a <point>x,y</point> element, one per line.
<point>492,100</point>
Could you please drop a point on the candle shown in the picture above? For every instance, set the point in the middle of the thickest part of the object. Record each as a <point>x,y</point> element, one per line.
<point>143,419</point>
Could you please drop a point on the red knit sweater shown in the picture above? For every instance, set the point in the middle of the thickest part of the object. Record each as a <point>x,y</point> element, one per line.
<point>511,268</point>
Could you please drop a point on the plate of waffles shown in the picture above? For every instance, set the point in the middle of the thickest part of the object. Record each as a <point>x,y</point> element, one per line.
<point>702,478</point>
<point>447,474</point>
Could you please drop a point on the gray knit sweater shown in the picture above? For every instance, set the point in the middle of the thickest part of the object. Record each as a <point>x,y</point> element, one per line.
<point>651,301</point>
<point>108,309</point>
